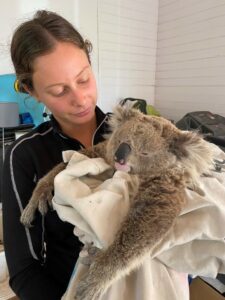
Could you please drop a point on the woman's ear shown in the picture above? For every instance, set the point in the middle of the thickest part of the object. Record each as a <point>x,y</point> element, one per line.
<point>32,93</point>
<point>27,90</point>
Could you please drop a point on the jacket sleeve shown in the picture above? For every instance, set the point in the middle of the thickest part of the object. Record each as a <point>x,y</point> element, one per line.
<point>23,247</point>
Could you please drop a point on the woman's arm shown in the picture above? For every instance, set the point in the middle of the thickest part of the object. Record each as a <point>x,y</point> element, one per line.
<point>23,246</point>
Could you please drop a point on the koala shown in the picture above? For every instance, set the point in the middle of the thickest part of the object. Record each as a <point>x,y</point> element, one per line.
<point>162,161</point>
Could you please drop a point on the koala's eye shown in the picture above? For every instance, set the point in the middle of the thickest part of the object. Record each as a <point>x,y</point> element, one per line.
<point>144,153</point>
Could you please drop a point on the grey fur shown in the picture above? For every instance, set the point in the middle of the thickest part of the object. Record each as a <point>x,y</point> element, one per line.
<point>163,161</point>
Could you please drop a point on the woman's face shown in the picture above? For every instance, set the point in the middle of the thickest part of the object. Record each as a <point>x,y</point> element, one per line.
<point>63,80</point>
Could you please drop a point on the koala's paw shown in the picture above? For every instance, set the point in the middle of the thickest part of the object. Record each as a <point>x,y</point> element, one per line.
<point>88,289</point>
<point>27,215</point>
<point>88,254</point>
<point>45,201</point>
<point>133,185</point>
<point>38,201</point>
<point>93,285</point>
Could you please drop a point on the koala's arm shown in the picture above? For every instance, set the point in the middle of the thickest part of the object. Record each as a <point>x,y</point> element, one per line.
<point>43,192</point>
<point>149,219</point>
<point>41,196</point>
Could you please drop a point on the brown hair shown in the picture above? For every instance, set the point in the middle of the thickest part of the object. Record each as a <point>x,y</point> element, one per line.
<point>39,36</point>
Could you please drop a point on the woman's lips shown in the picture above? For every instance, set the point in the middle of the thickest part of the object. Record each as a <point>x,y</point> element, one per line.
<point>83,113</point>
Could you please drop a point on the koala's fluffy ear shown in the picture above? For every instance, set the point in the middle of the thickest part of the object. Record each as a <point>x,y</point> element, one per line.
<point>193,153</point>
<point>122,114</point>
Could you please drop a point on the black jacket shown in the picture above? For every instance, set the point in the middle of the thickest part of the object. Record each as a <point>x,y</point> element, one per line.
<point>40,259</point>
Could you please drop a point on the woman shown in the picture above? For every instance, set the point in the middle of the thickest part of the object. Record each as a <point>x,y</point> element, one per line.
<point>52,64</point>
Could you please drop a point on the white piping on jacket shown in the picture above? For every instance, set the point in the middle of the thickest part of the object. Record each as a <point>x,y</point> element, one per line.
<point>16,191</point>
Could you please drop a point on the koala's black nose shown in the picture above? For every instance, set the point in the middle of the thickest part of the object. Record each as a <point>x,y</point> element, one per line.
<point>122,153</point>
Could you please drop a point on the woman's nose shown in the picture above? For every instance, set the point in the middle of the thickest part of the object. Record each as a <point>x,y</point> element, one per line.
<point>78,97</point>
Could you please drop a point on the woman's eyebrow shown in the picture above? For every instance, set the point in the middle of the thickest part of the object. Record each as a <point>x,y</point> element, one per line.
<point>61,83</point>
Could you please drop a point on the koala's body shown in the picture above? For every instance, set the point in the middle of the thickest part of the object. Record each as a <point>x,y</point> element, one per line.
<point>162,161</point>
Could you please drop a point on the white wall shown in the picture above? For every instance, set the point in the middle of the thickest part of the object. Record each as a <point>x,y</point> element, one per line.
<point>123,34</point>
<point>86,21</point>
<point>190,55</point>
<point>13,12</point>
<point>190,71</point>
<point>127,36</point>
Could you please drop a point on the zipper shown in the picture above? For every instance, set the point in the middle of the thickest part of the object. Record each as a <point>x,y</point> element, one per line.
<point>93,137</point>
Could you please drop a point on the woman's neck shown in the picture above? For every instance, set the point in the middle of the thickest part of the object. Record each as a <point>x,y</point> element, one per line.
<point>83,133</point>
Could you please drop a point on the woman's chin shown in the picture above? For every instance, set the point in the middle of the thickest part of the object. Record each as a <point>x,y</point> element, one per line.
<point>83,117</point>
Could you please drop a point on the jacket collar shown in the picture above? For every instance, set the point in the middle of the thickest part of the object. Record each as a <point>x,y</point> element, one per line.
<point>102,126</point>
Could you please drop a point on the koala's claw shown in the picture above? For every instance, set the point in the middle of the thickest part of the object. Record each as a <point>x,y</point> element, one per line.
<point>45,201</point>
<point>42,202</point>
<point>27,216</point>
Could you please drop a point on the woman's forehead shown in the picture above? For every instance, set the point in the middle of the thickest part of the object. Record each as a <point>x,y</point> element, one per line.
<point>66,61</point>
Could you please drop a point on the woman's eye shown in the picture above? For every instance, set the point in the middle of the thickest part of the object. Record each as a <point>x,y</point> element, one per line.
<point>83,81</point>
<point>58,93</point>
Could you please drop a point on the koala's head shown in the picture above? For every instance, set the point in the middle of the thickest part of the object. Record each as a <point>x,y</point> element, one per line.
<point>141,143</point>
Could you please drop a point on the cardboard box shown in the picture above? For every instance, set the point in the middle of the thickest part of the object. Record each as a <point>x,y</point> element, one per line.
<point>1,230</point>
<point>200,290</point>
<point>5,291</point>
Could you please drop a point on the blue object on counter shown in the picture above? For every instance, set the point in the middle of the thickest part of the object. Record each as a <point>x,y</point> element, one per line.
<point>26,118</point>
<point>26,102</point>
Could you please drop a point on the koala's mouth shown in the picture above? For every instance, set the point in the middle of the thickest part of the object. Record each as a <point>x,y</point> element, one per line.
<point>122,167</point>
<point>120,158</point>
